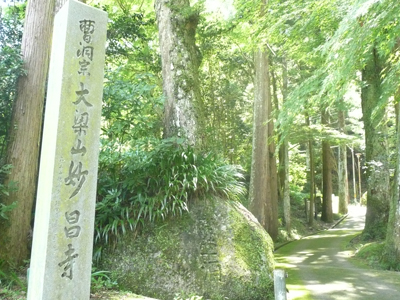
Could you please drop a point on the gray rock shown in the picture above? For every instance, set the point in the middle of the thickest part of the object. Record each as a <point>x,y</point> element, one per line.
<point>218,250</point>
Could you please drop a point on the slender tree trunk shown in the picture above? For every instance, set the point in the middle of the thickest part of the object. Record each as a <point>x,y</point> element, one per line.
<point>24,144</point>
<point>260,165</point>
<point>312,177</point>
<point>177,24</point>
<point>392,245</point>
<point>376,151</point>
<point>286,189</point>
<point>284,155</point>
<point>327,213</point>
<point>272,194</point>
<point>343,177</point>
<point>281,153</point>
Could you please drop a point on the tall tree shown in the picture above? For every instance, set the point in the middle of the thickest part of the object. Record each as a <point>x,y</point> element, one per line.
<point>376,149</point>
<point>392,243</point>
<point>311,176</point>
<point>283,170</point>
<point>26,123</point>
<point>327,214</point>
<point>343,178</point>
<point>177,22</point>
<point>272,177</point>
<point>262,205</point>
<point>366,40</point>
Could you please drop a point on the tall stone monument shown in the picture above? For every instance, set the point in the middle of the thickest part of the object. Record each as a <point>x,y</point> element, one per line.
<point>64,217</point>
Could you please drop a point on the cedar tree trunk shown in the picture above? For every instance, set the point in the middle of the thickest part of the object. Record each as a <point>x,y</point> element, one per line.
<point>177,24</point>
<point>376,151</point>
<point>262,205</point>
<point>25,133</point>
<point>327,213</point>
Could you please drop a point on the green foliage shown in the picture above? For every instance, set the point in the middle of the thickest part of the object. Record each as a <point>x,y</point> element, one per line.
<point>368,26</point>
<point>132,98</point>
<point>131,46</point>
<point>297,195</point>
<point>9,278</point>
<point>131,108</point>
<point>101,280</point>
<point>4,192</point>
<point>10,69</point>
<point>156,180</point>
<point>372,255</point>
<point>225,75</point>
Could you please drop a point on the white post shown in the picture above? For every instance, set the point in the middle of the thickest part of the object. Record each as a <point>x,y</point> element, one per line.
<point>280,284</point>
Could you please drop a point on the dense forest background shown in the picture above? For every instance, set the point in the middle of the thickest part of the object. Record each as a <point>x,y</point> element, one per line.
<point>292,101</point>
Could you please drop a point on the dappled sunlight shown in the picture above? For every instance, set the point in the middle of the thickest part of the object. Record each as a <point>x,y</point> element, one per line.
<point>330,288</point>
<point>331,234</point>
<point>297,292</point>
<point>324,259</point>
<point>319,268</point>
<point>345,254</point>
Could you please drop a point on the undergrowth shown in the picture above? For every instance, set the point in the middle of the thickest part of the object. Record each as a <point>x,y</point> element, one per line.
<point>13,285</point>
<point>154,181</point>
<point>4,192</point>
<point>373,254</point>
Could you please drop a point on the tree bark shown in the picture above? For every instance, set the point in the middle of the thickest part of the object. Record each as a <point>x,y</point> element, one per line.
<point>312,177</point>
<point>286,190</point>
<point>392,244</point>
<point>343,177</point>
<point>177,24</point>
<point>327,213</point>
<point>284,158</point>
<point>272,195</point>
<point>376,151</point>
<point>26,124</point>
<point>262,205</point>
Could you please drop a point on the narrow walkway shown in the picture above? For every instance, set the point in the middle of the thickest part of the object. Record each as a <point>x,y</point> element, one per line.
<point>319,266</point>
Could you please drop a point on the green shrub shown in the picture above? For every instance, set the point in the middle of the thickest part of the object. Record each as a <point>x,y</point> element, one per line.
<point>371,254</point>
<point>154,181</point>
<point>101,280</point>
<point>10,69</point>
<point>4,192</point>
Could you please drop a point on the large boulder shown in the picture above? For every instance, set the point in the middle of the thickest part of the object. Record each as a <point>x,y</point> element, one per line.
<point>217,250</point>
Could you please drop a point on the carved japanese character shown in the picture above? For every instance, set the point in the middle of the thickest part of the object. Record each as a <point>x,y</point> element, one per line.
<point>72,231</point>
<point>83,70</point>
<point>81,123</point>
<point>79,148</point>
<point>68,262</point>
<point>87,26</point>
<point>73,217</point>
<point>81,95</point>
<point>76,176</point>
<point>86,51</point>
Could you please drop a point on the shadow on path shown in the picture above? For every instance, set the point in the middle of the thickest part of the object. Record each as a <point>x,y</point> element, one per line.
<point>319,266</point>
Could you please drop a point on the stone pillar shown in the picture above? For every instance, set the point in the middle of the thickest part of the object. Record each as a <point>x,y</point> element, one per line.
<point>280,284</point>
<point>64,216</point>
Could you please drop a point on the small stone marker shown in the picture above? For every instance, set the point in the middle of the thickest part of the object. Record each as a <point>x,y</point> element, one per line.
<point>280,284</point>
<point>64,218</point>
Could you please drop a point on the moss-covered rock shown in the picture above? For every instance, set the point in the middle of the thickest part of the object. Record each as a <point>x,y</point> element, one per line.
<point>218,250</point>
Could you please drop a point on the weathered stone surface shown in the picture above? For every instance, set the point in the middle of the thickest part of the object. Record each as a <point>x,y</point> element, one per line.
<point>61,257</point>
<point>218,250</point>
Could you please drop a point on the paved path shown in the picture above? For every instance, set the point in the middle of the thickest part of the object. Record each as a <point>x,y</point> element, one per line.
<point>319,267</point>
